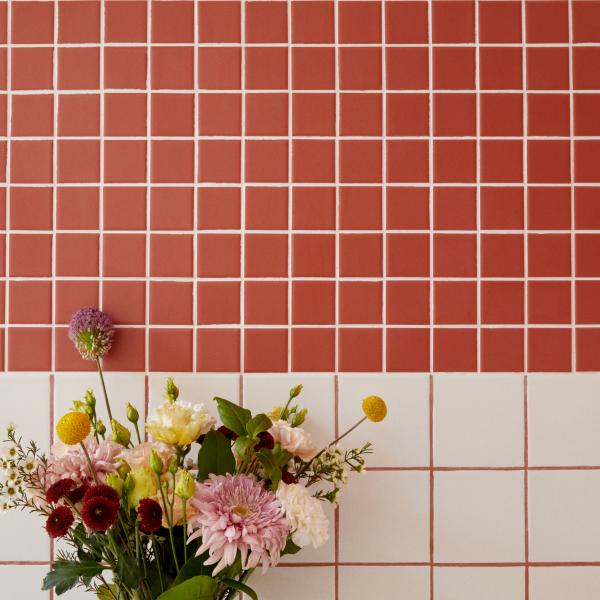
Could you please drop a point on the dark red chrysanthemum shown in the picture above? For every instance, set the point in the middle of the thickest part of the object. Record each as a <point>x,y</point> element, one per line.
<point>266,441</point>
<point>59,521</point>
<point>59,490</point>
<point>150,514</point>
<point>104,491</point>
<point>287,477</point>
<point>77,494</point>
<point>99,513</point>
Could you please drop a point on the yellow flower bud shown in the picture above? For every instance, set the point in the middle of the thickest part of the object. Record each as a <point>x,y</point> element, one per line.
<point>120,433</point>
<point>171,390</point>
<point>374,408</point>
<point>132,414</point>
<point>73,428</point>
<point>100,428</point>
<point>90,398</point>
<point>275,413</point>
<point>184,484</point>
<point>156,462</point>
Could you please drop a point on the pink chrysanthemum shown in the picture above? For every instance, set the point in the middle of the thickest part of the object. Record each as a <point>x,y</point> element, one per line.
<point>235,512</point>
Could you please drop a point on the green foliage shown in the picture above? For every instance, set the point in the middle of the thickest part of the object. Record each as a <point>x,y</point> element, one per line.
<point>258,424</point>
<point>193,567</point>
<point>66,574</point>
<point>215,456</point>
<point>200,587</point>
<point>290,548</point>
<point>273,462</point>
<point>241,587</point>
<point>234,417</point>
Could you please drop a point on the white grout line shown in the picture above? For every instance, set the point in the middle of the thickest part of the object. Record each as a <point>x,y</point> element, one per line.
<point>525,191</point>
<point>384,239</point>
<point>477,181</point>
<point>431,185</point>
<point>243,190</point>
<point>337,184</point>
<point>148,178</point>
<point>102,161</point>
<point>290,268</point>
<point>572,175</point>
<point>55,110</point>
<point>7,179</point>
<point>196,192</point>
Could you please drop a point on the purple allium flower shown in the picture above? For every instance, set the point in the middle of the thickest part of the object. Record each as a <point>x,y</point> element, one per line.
<point>92,332</point>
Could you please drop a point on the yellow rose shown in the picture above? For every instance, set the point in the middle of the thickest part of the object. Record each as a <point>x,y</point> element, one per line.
<point>141,483</point>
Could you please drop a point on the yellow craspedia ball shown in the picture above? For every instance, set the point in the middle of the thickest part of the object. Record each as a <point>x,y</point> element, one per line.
<point>374,408</point>
<point>73,428</point>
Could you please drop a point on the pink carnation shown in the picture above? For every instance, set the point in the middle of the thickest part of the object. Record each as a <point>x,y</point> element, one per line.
<point>235,512</point>
<point>139,456</point>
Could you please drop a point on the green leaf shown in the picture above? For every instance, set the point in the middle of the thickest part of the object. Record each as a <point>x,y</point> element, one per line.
<point>108,592</point>
<point>273,461</point>
<point>193,567</point>
<point>233,416</point>
<point>200,587</point>
<point>258,424</point>
<point>290,548</point>
<point>215,456</point>
<point>65,575</point>
<point>241,587</point>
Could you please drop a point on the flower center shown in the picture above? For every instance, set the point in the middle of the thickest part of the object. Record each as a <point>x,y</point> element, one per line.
<point>240,510</point>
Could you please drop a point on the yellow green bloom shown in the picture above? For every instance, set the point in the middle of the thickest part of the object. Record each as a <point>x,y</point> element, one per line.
<point>141,483</point>
<point>73,428</point>
<point>374,408</point>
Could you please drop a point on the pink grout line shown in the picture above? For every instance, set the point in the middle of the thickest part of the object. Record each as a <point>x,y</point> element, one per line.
<point>337,509</point>
<point>431,494</point>
<point>526,482</point>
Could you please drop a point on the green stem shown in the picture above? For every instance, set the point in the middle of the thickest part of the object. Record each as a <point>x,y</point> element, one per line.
<point>184,537</point>
<point>89,460</point>
<point>158,565</point>
<point>169,523</point>
<point>104,389</point>
<point>137,432</point>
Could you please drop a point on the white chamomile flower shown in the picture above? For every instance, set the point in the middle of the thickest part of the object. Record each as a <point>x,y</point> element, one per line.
<point>10,490</point>
<point>4,506</point>
<point>9,452</point>
<point>29,467</point>
<point>11,475</point>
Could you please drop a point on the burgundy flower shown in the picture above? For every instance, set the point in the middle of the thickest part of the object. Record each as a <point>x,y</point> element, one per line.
<point>59,521</point>
<point>92,332</point>
<point>77,494</point>
<point>232,435</point>
<point>266,441</point>
<point>59,490</point>
<point>150,514</point>
<point>99,513</point>
<point>103,491</point>
<point>287,477</point>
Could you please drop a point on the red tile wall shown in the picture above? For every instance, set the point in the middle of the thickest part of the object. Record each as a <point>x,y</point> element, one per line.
<point>302,185</point>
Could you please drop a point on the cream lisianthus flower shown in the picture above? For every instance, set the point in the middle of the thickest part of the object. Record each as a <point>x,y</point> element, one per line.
<point>305,514</point>
<point>179,423</point>
<point>294,439</point>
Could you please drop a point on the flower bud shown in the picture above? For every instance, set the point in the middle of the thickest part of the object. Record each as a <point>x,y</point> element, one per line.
<point>184,484</point>
<point>295,391</point>
<point>173,465</point>
<point>90,399</point>
<point>299,418</point>
<point>123,470</point>
<point>120,433</point>
<point>132,414</point>
<point>115,482</point>
<point>100,428</point>
<point>156,463</point>
<point>275,413</point>
<point>171,390</point>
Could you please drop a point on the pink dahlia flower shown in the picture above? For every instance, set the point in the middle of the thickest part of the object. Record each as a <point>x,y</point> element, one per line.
<point>235,512</point>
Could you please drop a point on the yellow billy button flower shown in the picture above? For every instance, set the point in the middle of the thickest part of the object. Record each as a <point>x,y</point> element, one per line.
<point>374,408</point>
<point>73,428</point>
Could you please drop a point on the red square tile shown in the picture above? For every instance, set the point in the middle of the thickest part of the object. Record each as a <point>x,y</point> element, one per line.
<point>360,114</point>
<point>547,21</point>
<point>266,208</point>
<point>360,68</point>
<point>549,302</point>
<point>360,161</point>
<point>125,161</point>
<point>359,22</point>
<point>586,161</point>
<point>587,250</point>
<point>31,208</point>
<point>31,162</point>
<point>172,68</point>
<point>3,149</point>
<point>587,208</point>
<point>30,255</point>
<point>172,115</point>
<point>500,22</point>
<point>170,303</point>
<point>585,17</point>
<point>266,114</point>
<point>453,22</point>
<point>360,302</point>
<point>313,208</point>
<point>502,255</point>
<point>586,114</point>
<point>219,161</point>
<point>502,350</point>
<point>455,208</point>
<point>407,114</point>
<point>172,22</point>
<point>72,295</point>
<point>172,161</point>
<point>266,68</point>
<point>267,161</point>
<point>125,68</point>
<point>549,255</point>
<point>124,114</point>
<point>219,68</point>
<point>406,22</point>
<point>218,350</point>
<point>549,350</point>
<point>3,209</point>
<point>548,114</point>
<point>454,115</point>
<point>547,68</point>
<point>501,161</point>
<point>124,208</point>
<point>266,350</point>
<point>78,161</point>
<point>549,208</point>
<point>219,114</point>
<point>30,302</point>
<point>124,255</point>
<point>453,68</point>
<point>218,22</point>
<point>313,302</point>
<point>502,208</point>
<point>125,301</point>
<point>31,69</point>
<point>455,350</point>
<point>29,349</point>
<point>407,161</point>
<point>455,302</point>
<point>588,349</point>
<point>360,349</point>
<point>502,302</point>
<point>78,68</point>
<point>313,350</point>
<point>265,302</point>
<point>502,115</point>
<point>32,23</point>
<point>219,255</point>
<point>66,357</point>
<point>313,161</point>
<point>313,255</point>
<point>313,22</point>
<point>266,22</point>
<point>313,68</point>
<point>32,115</point>
<point>454,161</point>
<point>407,208</point>
<point>171,255</point>
<point>77,254</point>
<point>313,114</point>
<point>172,208</point>
<point>260,246</point>
<point>408,255</point>
<point>125,21</point>
<point>407,302</point>
<point>361,255</point>
<point>170,349</point>
<point>408,350</point>
<point>3,251</point>
<point>218,208</point>
<point>79,115</point>
<point>3,23</point>
<point>455,255</point>
<point>360,208</point>
<point>407,68</point>
<point>128,353</point>
<point>218,302</point>
<point>501,68</point>
<point>78,21</point>
<point>548,161</point>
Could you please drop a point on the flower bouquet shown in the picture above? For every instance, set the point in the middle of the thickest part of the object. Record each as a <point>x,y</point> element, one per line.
<point>188,514</point>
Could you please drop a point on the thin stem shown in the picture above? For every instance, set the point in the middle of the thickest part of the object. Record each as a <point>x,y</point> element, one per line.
<point>137,432</point>
<point>104,389</point>
<point>158,565</point>
<point>185,552</point>
<point>169,523</point>
<point>89,460</point>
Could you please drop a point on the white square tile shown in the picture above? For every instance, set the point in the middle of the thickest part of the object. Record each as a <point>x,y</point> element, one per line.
<point>295,583</point>
<point>564,583</point>
<point>478,420</point>
<point>479,516</point>
<point>23,582</point>
<point>402,439</point>
<point>23,537</point>
<point>564,516</point>
<point>402,583</point>
<point>564,419</point>
<point>479,583</point>
<point>384,517</point>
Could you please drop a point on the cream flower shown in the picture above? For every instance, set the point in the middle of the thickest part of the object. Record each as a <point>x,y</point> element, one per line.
<point>305,514</point>
<point>139,456</point>
<point>179,423</point>
<point>294,440</point>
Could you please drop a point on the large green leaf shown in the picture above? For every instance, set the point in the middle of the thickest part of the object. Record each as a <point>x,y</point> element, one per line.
<point>200,587</point>
<point>193,567</point>
<point>233,416</point>
<point>215,456</point>
<point>66,574</point>
<point>258,424</point>
<point>241,587</point>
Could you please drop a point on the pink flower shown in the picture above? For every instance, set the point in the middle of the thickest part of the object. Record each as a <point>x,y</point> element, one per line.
<point>139,456</point>
<point>235,512</point>
<point>294,439</point>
